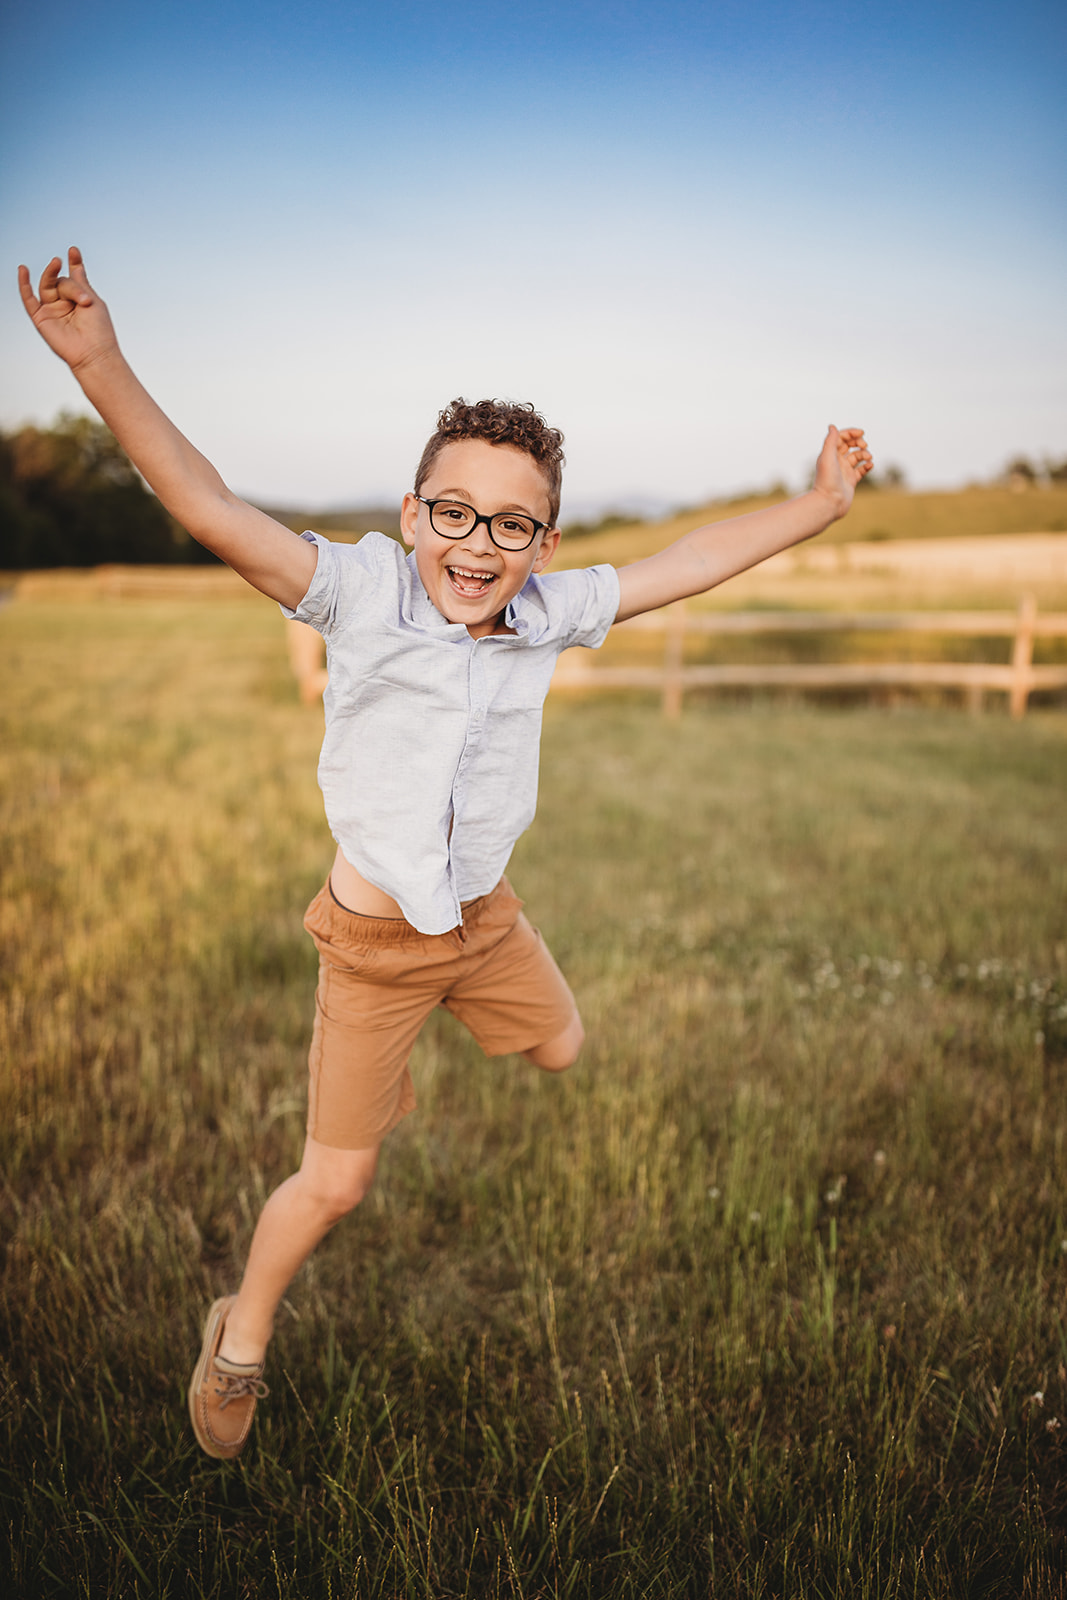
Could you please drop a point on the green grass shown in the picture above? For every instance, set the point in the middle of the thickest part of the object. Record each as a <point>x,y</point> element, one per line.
<point>757,1301</point>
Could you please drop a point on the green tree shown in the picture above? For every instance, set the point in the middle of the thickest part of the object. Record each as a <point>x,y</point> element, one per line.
<point>69,497</point>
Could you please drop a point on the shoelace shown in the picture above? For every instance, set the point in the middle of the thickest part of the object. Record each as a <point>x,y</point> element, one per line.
<point>230,1387</point>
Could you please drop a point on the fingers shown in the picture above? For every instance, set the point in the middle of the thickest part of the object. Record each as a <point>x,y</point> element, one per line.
<point>76,286</point>
<point>853,441</point>
<point>76,268</point>
<point>48,289</point>
<point>29,299</point>
<point>850,447</point>
<point>53,287</point>
<point>849,438</point>
<point>47,292</point>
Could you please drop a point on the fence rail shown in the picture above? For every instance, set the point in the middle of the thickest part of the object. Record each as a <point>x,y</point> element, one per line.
<point>1018,680</point>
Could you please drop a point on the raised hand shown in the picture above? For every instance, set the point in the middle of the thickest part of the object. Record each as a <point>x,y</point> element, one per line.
<point>719,550</point>
<point>73,320</point>
<point>70,317</point>
<point>843,460</point>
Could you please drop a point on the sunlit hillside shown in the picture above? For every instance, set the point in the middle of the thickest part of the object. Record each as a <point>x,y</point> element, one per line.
<point>877,514</point>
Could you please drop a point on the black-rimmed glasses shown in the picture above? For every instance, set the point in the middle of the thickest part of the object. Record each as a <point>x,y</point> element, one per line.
<point>454,519</point>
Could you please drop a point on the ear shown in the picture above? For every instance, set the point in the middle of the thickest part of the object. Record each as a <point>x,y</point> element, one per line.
<point>409,516</point>
<point>547,549</point>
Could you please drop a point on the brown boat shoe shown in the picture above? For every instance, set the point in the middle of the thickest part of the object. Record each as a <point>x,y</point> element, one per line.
<point>223,1394</point>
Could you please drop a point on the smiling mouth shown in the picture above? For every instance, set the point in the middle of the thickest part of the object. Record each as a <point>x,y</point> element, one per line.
<point>469,583</point>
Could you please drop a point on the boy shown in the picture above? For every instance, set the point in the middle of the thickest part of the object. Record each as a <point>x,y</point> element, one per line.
<point>438,668</point>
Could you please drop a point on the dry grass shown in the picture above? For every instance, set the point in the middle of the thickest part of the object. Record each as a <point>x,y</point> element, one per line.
<point>767,1298</point>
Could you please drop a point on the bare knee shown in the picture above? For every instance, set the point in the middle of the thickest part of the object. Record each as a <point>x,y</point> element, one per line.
<point>335,1181</point>
<point>337,1200</point>
<point>557,1054</point>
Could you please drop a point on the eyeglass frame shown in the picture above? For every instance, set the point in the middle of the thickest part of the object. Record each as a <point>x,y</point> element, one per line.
<point>449,500</point>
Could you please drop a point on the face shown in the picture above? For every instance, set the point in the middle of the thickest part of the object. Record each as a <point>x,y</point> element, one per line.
<point>470,580</point>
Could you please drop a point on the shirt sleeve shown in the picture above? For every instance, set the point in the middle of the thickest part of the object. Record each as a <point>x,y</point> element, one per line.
<point>344,575</point>
<point>594,605</point>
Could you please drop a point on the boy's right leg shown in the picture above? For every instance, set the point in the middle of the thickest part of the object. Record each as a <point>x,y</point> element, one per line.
<point>299,1214</point>
<point>228,1379</point>
<point>379,980</point>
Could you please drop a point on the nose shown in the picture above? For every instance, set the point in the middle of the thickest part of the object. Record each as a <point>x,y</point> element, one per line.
<point>479,537</point>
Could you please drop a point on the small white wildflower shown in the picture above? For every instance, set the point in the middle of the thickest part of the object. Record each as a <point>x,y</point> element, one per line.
<point>714,1192</point>
<point>1063,1246</point>
<point>879,1158</point>
<point>1038,1397</point>
<point>1052,1424</point>
<point>755,1216</point>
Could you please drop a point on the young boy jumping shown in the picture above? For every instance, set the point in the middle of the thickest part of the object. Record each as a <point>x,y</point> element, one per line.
<point>439,663</point>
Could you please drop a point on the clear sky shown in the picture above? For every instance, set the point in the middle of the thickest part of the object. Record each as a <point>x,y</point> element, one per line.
<point>692,234</point>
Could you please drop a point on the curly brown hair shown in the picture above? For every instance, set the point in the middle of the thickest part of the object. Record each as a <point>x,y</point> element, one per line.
<point>500,422</point>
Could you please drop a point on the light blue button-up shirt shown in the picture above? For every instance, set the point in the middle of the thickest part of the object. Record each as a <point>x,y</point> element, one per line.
<point>429,762</point>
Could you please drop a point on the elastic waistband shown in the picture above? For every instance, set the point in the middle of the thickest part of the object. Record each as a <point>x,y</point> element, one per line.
<point>396,930</point>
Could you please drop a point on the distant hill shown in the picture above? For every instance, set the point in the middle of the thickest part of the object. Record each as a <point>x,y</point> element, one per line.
<point>344,526</point>
<point>877,514</point>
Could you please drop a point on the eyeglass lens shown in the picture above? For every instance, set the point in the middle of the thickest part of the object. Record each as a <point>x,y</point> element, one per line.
<point>453,520</point>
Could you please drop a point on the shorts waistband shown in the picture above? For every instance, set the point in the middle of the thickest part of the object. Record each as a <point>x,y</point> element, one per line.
<point>398,931</point>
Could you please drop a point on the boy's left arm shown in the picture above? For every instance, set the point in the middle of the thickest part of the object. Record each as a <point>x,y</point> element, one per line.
<point>719,550</point>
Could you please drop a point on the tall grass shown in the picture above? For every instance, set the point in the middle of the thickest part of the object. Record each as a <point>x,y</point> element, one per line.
<point>766,1298</point>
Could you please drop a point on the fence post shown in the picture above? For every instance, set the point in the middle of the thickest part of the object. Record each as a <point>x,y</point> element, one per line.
<point>306,657</point>
<point>673,655</point>
<point>1022,655</point>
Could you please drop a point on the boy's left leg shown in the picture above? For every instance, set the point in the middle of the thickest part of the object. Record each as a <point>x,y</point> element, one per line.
<point>514,999</point>
<point>561,1052</point>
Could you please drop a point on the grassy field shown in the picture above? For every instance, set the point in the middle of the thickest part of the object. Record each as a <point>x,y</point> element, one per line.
<point>766,1298</point>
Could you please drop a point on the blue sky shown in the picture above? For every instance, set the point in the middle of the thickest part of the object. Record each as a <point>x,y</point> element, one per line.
<point>692,234</point>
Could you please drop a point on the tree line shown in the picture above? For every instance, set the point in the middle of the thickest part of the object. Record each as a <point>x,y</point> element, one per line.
<point>70,497</point>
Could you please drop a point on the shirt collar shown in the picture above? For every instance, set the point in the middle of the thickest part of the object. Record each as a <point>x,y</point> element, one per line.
<point>422,611</point>
<point>527,613</point>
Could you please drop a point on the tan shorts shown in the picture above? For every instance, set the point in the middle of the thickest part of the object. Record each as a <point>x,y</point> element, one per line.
<point>379,979</point>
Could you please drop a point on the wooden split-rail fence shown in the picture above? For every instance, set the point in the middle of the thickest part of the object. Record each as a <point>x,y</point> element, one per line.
<point>579,669</point>
<point>582,670</point>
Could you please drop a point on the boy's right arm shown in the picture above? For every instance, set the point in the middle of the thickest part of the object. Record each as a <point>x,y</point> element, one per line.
<point>74,322</point>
